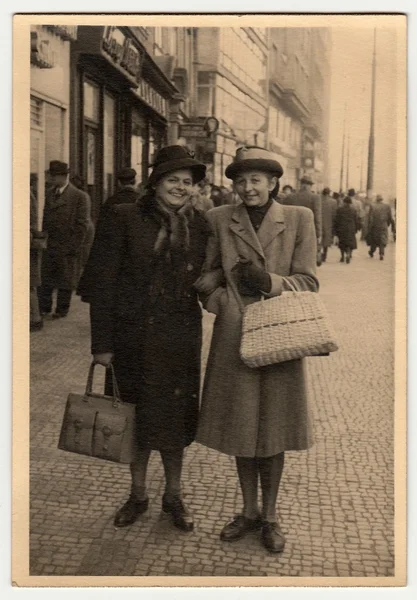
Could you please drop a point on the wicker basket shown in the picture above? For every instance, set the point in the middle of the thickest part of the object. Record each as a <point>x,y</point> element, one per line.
<point>293,325</point>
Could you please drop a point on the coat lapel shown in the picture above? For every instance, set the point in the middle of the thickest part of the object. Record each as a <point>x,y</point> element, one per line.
<point>62,199</point>
<point>242,227</point>
<point>272,225</point>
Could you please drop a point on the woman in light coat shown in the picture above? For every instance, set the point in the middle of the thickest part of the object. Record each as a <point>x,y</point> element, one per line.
<point>255,414</point>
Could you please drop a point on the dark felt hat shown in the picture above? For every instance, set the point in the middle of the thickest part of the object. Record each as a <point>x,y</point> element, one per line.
<point>56,167</point>
<point>326,191</point>
<point>250,158</point>
<point>351,192</point>
<point>173,158</point>
<point>306,179</point>
<point>126,174</point>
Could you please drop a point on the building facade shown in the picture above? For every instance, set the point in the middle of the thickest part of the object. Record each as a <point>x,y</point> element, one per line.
<point>230,105</point>
<point>49,102</point>
<point>299,71</point>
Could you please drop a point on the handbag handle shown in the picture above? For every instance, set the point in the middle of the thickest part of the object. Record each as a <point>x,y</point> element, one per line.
<point>89,386</point>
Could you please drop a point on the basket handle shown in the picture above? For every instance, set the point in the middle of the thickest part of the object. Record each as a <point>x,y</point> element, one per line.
<point>89,386</point>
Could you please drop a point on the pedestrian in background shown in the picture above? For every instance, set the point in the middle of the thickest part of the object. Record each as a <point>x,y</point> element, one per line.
<point>380,217</point>
<point>79,183</point>
<point>65,220</point>
<point>128,191</point>
<point>146,319</point>
<point>346,226</point>
<point>37,245</point>
<point>328,216</point>
<point>201,197</point>
<point>305,197</point>
<point>255,415</point>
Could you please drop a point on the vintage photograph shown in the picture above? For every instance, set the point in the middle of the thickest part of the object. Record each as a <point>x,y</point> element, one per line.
<point>216,293</point>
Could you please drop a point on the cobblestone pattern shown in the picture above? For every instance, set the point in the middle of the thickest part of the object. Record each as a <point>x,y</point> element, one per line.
<point>336,500</point>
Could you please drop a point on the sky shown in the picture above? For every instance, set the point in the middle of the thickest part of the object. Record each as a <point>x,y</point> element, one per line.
<point>351,77</point>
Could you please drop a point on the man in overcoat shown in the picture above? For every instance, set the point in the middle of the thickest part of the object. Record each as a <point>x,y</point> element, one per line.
<point>65,220</point>
<point>380,217</point>
<point>305,197</point>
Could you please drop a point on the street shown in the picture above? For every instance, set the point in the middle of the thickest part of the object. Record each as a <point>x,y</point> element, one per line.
<point>336,501</point>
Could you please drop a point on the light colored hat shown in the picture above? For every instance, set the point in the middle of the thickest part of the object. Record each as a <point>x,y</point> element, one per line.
<point>251,158</point>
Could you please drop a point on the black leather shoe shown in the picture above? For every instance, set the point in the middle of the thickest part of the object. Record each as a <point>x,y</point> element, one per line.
<point>59,315</point>
<point>272,537</point>
<point>36,326</point>
<point>179,513</point>
<point>239,527</point>
<point>130,511</point>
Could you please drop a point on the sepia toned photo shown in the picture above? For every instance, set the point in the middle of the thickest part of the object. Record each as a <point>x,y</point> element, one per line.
<point>209,300</point>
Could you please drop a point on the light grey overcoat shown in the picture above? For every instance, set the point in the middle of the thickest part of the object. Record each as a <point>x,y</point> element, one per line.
<point>245,411</point>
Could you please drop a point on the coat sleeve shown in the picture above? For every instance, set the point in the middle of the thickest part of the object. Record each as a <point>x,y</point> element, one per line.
<point>100,280</point>
<point>212,277</point>
<point>82,217</point>
<point>303,264</point>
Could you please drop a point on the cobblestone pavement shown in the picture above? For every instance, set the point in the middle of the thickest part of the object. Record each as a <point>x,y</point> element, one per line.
<point>336,500</point>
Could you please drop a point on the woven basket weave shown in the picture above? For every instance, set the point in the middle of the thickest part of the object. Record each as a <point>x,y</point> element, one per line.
<point>293,325</point>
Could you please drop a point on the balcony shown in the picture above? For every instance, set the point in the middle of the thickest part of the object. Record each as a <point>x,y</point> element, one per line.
<point>287,84</point>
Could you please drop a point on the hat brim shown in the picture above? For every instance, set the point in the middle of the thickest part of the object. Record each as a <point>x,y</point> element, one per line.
<point>59,172</point>
<point>198,169</point>
<point>254,164</point>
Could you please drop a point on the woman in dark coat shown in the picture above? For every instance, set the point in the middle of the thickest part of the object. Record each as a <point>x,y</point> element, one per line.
<point>146,319</point>
<point>346,225</point>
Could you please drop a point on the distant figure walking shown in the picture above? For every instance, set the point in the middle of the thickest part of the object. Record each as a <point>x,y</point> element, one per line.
<point>328,213</point>
<point>346,226</point>
<point>305,197</point>
<point>380,217</point>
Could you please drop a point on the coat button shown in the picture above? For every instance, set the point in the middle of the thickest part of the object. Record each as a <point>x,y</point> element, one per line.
<point>177,392</point>
<point>190,267</point>
<point>151,320</point>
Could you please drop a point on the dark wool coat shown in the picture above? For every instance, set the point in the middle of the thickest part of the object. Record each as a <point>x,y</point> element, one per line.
<point>156,341</point>
<point>309,200</point>
<point>380,217</point>
<point>346,225</point>
<point>65,220</point>
<point>328,213</point>
<point>245,411</point>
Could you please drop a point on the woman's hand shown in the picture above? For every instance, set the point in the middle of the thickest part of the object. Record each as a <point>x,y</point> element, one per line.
<point>253,278</point>
<point>104,358</point>
<point>209,281</point>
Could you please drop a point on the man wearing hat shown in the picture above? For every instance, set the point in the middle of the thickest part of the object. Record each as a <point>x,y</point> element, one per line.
<point>65,220</point>
<point>305,197</point>
<point>380,217</point>
<point>127,192</point>
<point>328,215</point>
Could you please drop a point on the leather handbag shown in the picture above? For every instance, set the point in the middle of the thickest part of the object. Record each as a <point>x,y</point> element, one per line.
<point>98,425</point>
<point>287,327</point>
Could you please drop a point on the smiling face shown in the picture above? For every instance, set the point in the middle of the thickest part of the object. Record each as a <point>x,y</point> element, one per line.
<point>174,189</point>
<point>254,187</point>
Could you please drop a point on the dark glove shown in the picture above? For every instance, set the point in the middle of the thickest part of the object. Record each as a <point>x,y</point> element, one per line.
<point>251,279</point>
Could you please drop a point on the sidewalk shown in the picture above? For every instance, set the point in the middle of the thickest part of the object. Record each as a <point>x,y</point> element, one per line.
<point>336,500</point>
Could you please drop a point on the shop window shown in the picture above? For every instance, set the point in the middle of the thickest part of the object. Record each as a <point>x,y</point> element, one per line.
<point>109,141</point>
<point>157,139</point>
<point>138,143</point>
<point>36,112</point>
<point>54,133</point>
<point>91,101</point>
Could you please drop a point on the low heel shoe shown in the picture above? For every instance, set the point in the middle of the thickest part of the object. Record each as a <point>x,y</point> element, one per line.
<point>272,537</point>
<point>130,512</point>
<point>239,527</point>
<point>181,517</point>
